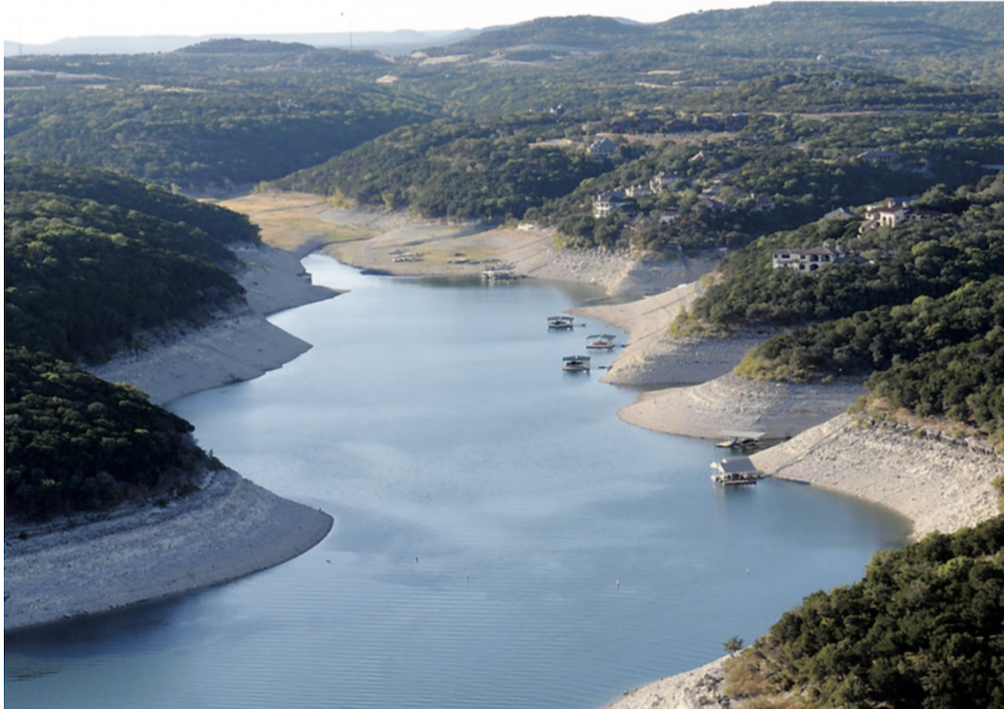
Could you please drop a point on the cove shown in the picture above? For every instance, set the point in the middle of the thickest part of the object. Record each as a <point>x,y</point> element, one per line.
<point>501,538</point>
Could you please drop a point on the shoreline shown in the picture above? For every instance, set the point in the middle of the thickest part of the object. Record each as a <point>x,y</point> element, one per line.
<point>231,528</point>
<point>235,346</point>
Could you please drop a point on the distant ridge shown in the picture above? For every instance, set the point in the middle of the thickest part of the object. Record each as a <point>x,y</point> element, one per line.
<point>398,42</point>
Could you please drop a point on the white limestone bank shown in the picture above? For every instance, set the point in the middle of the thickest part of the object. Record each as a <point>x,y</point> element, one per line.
<point>229,529</point>
<point>938,482</point>
<point>235,346</point>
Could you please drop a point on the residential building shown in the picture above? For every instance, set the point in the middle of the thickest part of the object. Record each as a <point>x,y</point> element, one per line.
<point>607,203</point>
<point>806,259</point>
<point>602,148</point>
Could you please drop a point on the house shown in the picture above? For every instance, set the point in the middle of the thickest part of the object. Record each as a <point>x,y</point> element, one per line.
<point>669,216</point>
<point>884,158</point>
<point>698,157</point>
<point>639,191</point>
<point>716,207</point>
<point>839,213</point>
<point>762,203</point>
<point>893,213</point>
<point>806,259</point>
<point>607,203</point>
<point>709,123</point>
<point>679,125</point>
<point>602,148</point>
<point>737,121</point>
<point>663,181</point>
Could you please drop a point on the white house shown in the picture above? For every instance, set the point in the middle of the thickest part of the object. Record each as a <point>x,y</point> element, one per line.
<point>607,203</point>
<point>805,259</point>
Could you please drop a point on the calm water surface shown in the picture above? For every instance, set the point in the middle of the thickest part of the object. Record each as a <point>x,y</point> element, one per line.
<point>487,505</point>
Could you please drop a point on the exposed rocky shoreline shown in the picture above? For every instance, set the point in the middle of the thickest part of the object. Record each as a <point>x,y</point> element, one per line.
<point>142,552</point>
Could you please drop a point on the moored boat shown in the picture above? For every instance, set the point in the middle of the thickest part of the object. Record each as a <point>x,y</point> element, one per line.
<point>734,471</point>
<point>560,322</point>
<point>575,363</point>
<point>600,342</point>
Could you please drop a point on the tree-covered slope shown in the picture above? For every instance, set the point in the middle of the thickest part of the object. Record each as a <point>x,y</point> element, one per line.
<point>74,443</point>
<point>90,258</point>
<point>921,630</point>
<point>465,169</point>
<point>200,119</point>
<point>82,274</point>
<point>920,308</point>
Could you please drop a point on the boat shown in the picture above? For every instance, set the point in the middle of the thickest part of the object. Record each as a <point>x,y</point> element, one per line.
<point>740,440</point>
<point>600,342</point>
<point>560,322</point>
<point>575,363</point>
<point>734,471</point>
<point>500,273</point>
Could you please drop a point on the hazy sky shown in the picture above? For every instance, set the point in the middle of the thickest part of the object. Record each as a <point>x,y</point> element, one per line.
<point>43,21</point>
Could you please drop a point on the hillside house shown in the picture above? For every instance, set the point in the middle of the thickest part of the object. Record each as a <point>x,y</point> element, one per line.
<point>664,181</point>
<point>716,207</point>
<point>679,125</point>
<point>884,158</point>
<point>607,203</point>
<point>639,191</point>
<point>762,203</point>
<point>709,123</point>
<point>892,213</point>
<point>839,213</point>
<point>602,148</point>
<point>806,259</point>
<point>737,121</point>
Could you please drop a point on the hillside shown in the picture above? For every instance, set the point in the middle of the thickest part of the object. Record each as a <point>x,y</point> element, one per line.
<point>90,259</point>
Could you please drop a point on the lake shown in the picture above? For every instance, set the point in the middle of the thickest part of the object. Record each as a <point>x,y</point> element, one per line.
<point>501,540</point>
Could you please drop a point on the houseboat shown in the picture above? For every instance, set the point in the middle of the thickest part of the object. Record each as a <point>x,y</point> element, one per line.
<point>560,322</point>
<point>600,342</point>
<point>575,363</point>
<point>734,471</point>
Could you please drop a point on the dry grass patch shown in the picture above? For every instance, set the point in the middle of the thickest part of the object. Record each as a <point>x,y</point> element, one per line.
<point>292,220</point>
<point>747,683</point>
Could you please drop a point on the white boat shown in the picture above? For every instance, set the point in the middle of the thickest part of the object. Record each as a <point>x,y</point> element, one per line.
<point>600,342</point>
<point>575,363</point>
<point>560,322</point>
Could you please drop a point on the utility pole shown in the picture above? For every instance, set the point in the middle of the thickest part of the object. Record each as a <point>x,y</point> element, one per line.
<point>350,30</point>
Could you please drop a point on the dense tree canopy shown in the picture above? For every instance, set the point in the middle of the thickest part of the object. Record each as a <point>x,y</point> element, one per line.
<point>922,629</point>
<point>82,275</point>
<point>73,442</point>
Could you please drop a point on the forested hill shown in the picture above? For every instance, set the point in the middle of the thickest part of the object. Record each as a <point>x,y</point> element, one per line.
<point>245,46</point>
<point>201,119</point>
<point>922,629</point>
<point>91,257</point>
<point>936,41</point>
<point>919,306</point>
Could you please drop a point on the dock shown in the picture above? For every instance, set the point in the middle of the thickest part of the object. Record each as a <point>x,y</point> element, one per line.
<point>735,471</point>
